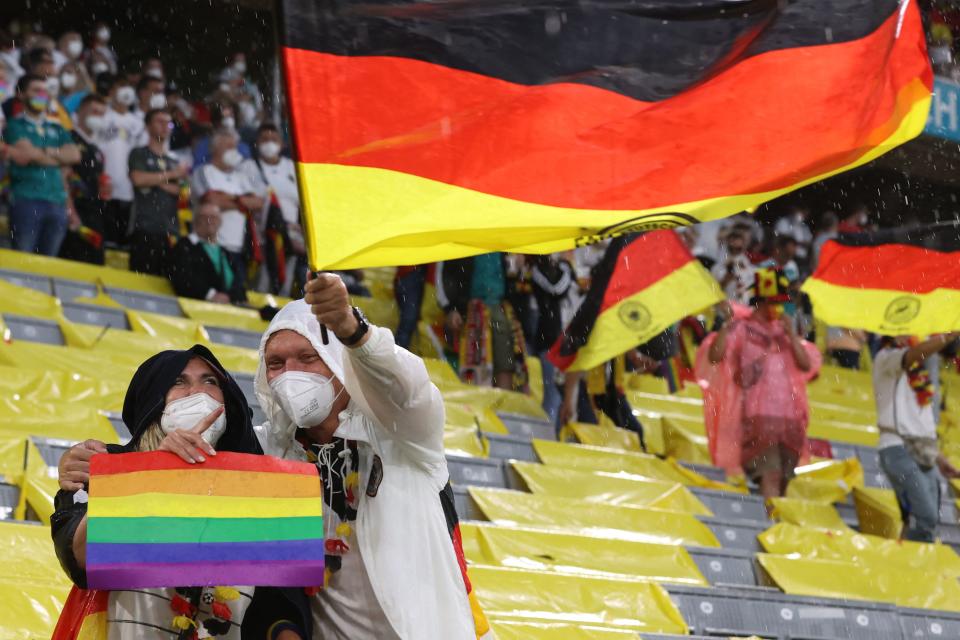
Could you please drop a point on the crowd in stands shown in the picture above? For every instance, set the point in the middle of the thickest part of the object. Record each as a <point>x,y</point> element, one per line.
<point>103,151</point>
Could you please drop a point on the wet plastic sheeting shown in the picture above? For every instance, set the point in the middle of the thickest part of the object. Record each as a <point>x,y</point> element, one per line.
<point>861,549</point>
<point>510,594</point>
<point>878,512</point>
<point>807,513</point>
<point>512,630</point>
<point>33,587</point>
<point>463,441</point>
<point>589,458</point>
<point>540,550</point>
<point>604,436</point>
<point>609,488</point>
<point>874,582</point>
<point>581,517</point>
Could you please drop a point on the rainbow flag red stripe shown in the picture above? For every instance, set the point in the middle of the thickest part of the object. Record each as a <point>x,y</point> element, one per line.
<point>156,521</point>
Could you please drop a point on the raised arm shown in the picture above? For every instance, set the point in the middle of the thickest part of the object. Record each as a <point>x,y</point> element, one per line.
<point>927,348</point>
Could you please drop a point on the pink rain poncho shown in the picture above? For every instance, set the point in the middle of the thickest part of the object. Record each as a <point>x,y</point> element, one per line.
<point>756,397</point>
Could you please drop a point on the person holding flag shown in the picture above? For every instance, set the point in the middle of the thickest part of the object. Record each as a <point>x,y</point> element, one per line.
<point>754,373</point>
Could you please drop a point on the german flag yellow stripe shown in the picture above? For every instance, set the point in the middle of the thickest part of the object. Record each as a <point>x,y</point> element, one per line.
<point>884,311</point>
<point>634,320</point>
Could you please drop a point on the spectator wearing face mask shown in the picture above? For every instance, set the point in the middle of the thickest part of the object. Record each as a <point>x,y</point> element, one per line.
<point>221,183</point>
<point>69,49</point>
<point>117,140</point>
<point>150,95</point>
<point>98,64</point>
<point>246,93</point>
<point>156,176</point>
<point>153,68</point>
<point>74,86</point>
<point>273,174</point>
<point>223,120</point>
<point>39,62</point>
<point>38,150</point>
<point>198,266</point>
<point>100,48</point>
<point>10,61</point>
<point>90,192</point>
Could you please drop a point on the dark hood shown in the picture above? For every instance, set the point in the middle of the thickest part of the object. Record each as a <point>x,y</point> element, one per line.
<point>148,389</point>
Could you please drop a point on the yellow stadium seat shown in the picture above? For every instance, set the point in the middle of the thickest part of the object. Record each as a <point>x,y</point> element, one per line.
<point>851,546</point>
<point>607,437</point>
<point>608,488</point>
<point>70,270</point>
<point>54,420</point>
<point>587,458</point>
<point>223,315</point>
<point>874,581</point>
<point>12,451</point>
<point>463,441</point>
<point>512,630</point>
<point>806,513</point>
<point>683,444</point>
<point>379,311</point>
<point>442,374</point>
<point>849,472</point>
<point>515,595</point>
<point>24,301</point>
<point>33,587</point>
<point>582,517</point>
<point>539,550</point>
<point>878,512</point>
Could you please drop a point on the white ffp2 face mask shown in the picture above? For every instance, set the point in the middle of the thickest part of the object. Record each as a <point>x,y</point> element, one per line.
<point>232,158</point>
<point>185,413</point>
<point>270,149</point>
<point>306,398</point>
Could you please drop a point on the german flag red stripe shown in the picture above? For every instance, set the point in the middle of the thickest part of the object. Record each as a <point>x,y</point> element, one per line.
<point>403,110</point>
<point>902,281</point>
<point>642,286</point>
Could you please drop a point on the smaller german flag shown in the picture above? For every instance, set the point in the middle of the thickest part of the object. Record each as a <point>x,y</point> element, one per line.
<point>643,285</point>
<point>903,281</point>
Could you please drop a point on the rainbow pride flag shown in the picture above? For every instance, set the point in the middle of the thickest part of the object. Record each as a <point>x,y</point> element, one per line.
<point>236,519</point>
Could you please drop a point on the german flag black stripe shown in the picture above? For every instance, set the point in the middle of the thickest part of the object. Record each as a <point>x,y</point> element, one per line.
<point>646,50</point>
<point>429,131</point>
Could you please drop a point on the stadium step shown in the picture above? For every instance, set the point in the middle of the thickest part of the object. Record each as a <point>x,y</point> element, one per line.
<point>95,315</point>
<point>772,614</point>
<point>737,534</point>
<point>722,567</point>
<point>33,329</point>
<point>477,472</point>
<point>152,303</point>
<point>28,280</point>
<point>234,337</point>
<point>510,447</point>
<point>728,505</point>
<point>528,427</point>
<point>68,290</point>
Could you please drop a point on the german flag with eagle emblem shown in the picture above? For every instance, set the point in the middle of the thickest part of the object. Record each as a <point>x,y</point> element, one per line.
<point>903,281</point>
<point>428,131</point>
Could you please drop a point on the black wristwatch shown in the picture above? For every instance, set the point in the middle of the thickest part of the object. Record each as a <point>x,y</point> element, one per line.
<point>362,327</point>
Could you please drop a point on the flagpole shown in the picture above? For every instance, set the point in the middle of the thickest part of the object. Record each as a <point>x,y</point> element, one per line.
<point>306,220</point>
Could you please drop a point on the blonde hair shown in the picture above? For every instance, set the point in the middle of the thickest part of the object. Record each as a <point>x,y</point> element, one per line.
<point>151,438</point>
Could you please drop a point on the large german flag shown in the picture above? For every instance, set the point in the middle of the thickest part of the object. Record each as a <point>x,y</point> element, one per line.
<point>433,130</point>
<point>642,285</point>
<point>895,282</point>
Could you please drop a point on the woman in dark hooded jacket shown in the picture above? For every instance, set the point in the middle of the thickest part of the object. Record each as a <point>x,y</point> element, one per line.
<point>186,403</point>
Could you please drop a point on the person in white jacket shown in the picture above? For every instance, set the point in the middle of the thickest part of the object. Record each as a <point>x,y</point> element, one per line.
<point>367,410</point>
<point>375,422</point>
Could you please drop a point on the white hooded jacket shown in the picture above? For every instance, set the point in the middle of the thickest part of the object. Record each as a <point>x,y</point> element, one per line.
<point>396,413</point>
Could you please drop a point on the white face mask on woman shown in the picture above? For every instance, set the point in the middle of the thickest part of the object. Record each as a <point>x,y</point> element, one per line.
<point>306,398</point>
<point>185,413</point>
<point>232,158</point>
